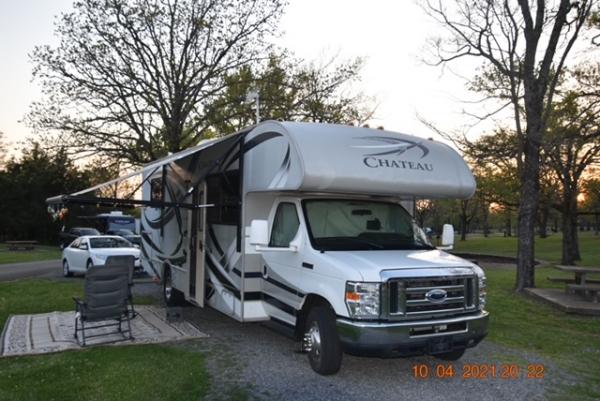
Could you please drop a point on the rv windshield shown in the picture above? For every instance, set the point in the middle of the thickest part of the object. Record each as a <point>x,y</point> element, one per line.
<point>344,225</point>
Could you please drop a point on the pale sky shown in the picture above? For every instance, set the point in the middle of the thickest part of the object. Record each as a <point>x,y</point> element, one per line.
<point>390,35</point>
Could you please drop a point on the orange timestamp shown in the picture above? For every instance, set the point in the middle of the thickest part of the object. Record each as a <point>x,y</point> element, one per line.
<point>481,371</point>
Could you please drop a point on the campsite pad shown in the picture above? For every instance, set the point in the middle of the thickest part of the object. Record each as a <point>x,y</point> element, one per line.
<point>53,332</point>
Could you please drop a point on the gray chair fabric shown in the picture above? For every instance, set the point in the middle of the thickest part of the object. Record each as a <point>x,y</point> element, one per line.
<point>129,262</point>
<point>119,260</point>
<point>106,298</point>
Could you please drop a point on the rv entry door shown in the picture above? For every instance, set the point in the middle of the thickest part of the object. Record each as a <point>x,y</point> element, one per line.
<point>196,228</point>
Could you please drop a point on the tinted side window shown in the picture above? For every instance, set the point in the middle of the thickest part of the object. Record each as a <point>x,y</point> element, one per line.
<point>285,225</point>
<point>75,244</point>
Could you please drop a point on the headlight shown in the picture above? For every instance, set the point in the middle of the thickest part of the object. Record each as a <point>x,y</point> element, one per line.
<point>362,300</point>
<point>482,292</point>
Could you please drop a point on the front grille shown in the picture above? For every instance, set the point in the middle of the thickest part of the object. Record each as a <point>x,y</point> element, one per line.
<point>408,296</point>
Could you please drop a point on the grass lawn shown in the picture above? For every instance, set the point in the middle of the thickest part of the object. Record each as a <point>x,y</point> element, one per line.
<point>547,249</point>
<point>40,296</point>
<point>517,321</point>
<point>41,252</point>
<point>141,372</point>
<point>573,342</point>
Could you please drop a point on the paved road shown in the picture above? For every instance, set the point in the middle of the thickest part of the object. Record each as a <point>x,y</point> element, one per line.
<point>43,269</point>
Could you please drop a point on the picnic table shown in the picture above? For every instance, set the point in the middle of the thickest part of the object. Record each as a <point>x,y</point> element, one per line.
<point>581,284</point>
<point>16,245</point>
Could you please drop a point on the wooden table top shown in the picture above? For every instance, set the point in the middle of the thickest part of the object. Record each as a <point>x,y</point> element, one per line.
<point>578,269</point>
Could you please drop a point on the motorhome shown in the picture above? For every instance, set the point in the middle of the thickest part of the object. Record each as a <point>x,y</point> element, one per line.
<point>309,226</point>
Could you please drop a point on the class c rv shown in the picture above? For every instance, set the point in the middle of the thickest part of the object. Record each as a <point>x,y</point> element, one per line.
<point>309,227</point>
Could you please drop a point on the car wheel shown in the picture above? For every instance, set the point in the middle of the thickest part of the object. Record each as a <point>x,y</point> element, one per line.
<point>322,342</point>
<point>172,296</point>
<point>451,356</point>
<point>66,271</point>
<point>89,264</point>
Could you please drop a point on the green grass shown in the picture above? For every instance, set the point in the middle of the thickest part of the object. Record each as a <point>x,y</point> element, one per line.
<point>517,321</point>
<point>572,342</point>
<point>41,252</point>
<point>40,296</point>
<point>547,249</point>
<point>141,372</point>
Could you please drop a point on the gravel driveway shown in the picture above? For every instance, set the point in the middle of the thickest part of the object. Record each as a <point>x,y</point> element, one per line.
<point>262,363</point>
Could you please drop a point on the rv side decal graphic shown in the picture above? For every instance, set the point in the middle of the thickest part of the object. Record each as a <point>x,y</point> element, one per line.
<point>392,146</point>
<point>396,147</point>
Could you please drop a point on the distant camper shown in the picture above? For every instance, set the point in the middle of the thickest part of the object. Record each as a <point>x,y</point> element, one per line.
<point>113,222</point>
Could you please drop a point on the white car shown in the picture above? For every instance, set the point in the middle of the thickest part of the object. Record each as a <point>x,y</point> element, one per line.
<point>92,250</point>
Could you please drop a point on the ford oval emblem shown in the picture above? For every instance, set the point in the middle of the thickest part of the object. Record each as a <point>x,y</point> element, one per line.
<point>436,296</point>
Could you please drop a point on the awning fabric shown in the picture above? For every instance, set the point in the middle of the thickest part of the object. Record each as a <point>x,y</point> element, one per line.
<point>185,169</point>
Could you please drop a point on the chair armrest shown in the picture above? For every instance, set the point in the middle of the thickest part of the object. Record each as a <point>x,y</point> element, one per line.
<point>78,303</point>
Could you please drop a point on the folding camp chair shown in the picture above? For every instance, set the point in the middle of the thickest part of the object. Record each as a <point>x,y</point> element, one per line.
<point>129,262</point>
<point>106,298</point>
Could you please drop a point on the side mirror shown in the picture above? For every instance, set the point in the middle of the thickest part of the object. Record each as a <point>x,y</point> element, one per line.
<point>447,237</point>
<point>259,232</point>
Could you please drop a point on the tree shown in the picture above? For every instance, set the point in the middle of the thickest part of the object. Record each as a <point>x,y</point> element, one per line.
<point>131,79</point>
<point>591,203</point>
<point>524,46</point>
<point>572,146</point>
<point>2,150</point>
<point>290,90</point>
<point>24,186</point>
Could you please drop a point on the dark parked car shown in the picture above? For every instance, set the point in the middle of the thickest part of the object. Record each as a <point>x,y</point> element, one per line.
<point>66,237</point>
<point>128,235</point>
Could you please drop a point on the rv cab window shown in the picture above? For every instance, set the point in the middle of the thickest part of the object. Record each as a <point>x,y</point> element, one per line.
<point>285,225</point>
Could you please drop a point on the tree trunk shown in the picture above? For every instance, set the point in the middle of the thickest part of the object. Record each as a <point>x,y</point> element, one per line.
<point>528,206</point>
<point>508,224</point>
<point>543,221</point>
<point>486,223</point>
<point>570,241</point>
<point>464,222</point>
<point>463,227</point>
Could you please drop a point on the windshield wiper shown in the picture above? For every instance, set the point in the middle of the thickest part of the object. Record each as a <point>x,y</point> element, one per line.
<point>421,247</point>
<point>364,241</point>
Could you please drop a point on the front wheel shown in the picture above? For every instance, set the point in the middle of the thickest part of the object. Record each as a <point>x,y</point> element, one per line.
<point>66,271</point>
<point>323,344</point>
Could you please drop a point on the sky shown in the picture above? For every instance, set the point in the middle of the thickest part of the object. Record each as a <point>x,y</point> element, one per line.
<point>390,35</point>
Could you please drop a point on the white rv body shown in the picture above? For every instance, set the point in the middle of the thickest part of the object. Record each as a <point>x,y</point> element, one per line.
<point>205,255</point>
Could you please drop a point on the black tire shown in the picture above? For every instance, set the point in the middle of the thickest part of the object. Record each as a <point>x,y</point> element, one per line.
<point>171,295</point>
<point>66,271</point>
<point>325,355</point>
<point>451,356</point>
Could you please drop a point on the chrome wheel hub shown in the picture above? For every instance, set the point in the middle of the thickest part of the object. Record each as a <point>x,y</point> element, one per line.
<point>312,341</point>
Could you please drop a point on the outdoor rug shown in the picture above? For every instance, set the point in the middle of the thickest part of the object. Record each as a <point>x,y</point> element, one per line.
<point>53,332</point>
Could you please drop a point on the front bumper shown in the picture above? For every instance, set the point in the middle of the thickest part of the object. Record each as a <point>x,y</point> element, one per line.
<point>412,338</point>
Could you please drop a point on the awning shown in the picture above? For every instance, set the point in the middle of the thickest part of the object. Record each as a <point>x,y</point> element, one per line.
<point>183,169</point>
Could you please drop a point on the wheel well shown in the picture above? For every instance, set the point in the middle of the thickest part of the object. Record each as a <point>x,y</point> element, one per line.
<point>310,302</point>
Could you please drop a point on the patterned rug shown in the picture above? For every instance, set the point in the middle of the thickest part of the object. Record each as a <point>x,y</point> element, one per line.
<point>53,332</point>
